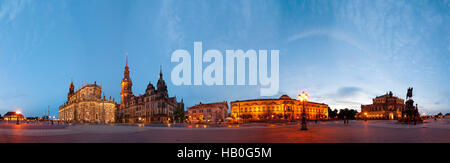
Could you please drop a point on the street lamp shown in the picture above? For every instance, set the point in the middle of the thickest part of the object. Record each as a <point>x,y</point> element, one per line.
<point>365,116</point>
<point>303,98</point>
<point>17,116</point>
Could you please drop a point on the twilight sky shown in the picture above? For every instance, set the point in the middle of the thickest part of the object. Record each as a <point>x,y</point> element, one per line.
<point>343,53</point>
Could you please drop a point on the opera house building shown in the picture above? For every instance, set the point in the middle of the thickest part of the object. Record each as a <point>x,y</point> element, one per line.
<point>386,107</point>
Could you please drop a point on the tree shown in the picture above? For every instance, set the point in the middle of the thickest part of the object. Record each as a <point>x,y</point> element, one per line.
<point>335,112</point>
<point>347,113</point>
<point>332,113</point>
<point>179,114</point>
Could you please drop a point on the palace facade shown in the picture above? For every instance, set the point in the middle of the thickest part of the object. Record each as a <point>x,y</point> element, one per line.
<point>87,105</point>
<point>386,106</point>
<point>208,113</point>
<point>277,109</point>
<point>154,105</point>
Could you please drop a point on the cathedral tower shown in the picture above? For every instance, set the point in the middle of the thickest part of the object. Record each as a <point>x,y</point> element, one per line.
<point>71,90</point>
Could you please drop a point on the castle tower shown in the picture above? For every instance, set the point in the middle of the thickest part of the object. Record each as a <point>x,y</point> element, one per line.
<point>126,84</point>
<point>161,85</point>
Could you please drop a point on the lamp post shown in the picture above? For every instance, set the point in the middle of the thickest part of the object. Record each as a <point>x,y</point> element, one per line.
<point>17,116</point>
<point>303,98</point>
<point>365,116</point>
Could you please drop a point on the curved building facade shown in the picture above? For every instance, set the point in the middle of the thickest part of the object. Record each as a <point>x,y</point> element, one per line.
<point>277,109</point>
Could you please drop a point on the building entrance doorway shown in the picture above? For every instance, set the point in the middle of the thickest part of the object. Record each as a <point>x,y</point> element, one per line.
<point>391,116</point>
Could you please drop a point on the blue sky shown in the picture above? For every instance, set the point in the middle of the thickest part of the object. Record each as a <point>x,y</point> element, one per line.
<point>342,52</point>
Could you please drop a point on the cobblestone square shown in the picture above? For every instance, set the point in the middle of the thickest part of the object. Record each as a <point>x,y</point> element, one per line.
<point>432,131</point>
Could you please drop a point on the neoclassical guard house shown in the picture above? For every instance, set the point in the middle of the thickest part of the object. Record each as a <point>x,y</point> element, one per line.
<point>208,113</point>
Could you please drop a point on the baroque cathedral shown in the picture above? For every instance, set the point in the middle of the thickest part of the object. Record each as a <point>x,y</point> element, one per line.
<point>86,105</point>
<point>154,105</point>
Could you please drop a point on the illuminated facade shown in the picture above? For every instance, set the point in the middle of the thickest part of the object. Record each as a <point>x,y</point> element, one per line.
<point>13,116</point>
<point>277,109</point>
<point>87,105</point>
<point>386,106</point>
<point>153,106</point>
<point>208,113</point>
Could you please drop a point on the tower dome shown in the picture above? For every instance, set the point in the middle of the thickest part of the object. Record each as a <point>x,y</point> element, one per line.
<point>150,88</point>
<point>285,97</point>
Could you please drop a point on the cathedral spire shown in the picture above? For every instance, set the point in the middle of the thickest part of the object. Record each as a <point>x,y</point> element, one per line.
<point>126,73</point>
<point>160,71</point>
<point>71,89</point>
<point>71,84</point>
<point>126,64</point>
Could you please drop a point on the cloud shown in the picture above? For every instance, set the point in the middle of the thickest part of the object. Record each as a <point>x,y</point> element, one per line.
<point>10,9</point>
<point>13,96</point>
<point>333,34</point>
<point>168,13</point>
<point>405,43</point>
<point>13,100</point>
<point>347,97</point>
<point>348,91</point>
